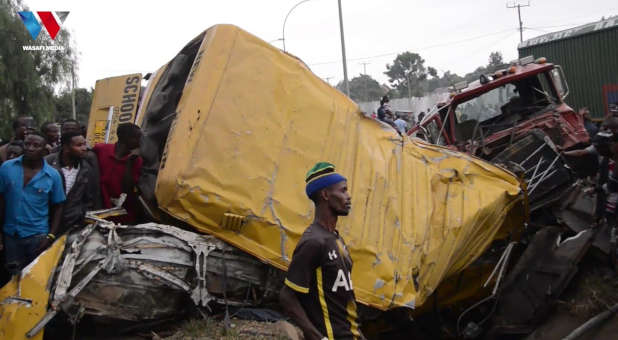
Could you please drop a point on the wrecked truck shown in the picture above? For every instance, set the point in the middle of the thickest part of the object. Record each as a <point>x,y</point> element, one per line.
<point>515,117</point>
<point>230,126</point>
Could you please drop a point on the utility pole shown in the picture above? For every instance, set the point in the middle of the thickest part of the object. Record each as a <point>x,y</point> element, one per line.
<point>365,67</point>
<point>345,64</point>
<point>73,89</point>
<point>409,87</point>
<point>365,90</point>
<point>286,20</point>
<point>521,24</point>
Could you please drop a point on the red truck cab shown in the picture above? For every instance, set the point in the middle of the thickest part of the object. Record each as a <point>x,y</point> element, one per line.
<point>484,117</point>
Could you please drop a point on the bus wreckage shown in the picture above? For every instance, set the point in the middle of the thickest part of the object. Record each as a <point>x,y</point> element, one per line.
<point>230,125</point>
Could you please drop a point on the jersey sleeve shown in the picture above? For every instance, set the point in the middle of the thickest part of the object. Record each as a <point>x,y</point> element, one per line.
<point>306,259</point>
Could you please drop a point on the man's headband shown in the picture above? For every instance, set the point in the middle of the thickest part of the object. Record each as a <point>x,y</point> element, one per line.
<point>321,176</point>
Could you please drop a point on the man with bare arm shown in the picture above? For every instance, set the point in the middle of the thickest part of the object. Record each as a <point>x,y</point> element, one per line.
<point>318,293</point>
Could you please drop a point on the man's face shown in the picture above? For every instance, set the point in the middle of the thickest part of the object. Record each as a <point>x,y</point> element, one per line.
<point>134,141</point>
<point>338,198</point>
<point>52,134</point>
<point>71,127</point>
<point>34,147</point>
<point>14,151</point>
<point>78,147</point>
<point>23,124</point>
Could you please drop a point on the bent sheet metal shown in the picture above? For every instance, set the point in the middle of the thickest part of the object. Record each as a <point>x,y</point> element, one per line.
<point>253,119</point>
<point>23,301</point>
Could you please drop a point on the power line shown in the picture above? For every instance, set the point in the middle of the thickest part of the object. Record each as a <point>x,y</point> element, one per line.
<point>521,24</point>
<point>424,48</point>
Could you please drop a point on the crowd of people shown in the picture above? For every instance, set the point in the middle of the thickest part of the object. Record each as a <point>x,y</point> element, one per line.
<point>401,122</point>
<point>50,178</point>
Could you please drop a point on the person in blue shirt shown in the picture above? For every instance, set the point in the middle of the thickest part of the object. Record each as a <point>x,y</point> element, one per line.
<point>28,185</point>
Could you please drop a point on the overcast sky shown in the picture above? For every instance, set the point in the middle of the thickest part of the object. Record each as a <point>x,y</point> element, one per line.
<point>120,37</point>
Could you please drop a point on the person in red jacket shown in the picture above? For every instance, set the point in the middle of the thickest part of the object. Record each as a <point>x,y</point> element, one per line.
<point>120,165</point>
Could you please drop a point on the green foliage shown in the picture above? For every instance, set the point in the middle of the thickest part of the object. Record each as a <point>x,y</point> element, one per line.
<point>408,69</point>
<point>363,89</point>
<point>64,109</point>
<point>495,61</point>
<point>447,79</point>
<point>28,78</point>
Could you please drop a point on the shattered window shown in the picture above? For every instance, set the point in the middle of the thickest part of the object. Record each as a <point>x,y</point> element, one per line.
<point>434,133</point>
<point>487,105</point>
<point>547,89</point>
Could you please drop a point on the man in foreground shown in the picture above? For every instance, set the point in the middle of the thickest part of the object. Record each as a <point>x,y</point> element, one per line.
<point>79,179</point>
<point>318,293</point>
<point>28,185</point>
<point>119,167</point>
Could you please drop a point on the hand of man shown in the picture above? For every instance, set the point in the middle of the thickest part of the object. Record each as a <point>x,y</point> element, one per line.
<point>44,244</point>
<point>134,154</point>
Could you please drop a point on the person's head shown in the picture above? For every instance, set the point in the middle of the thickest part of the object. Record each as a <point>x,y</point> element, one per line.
<point>328,189</point>
<point>75,144</point>
<point>14,149</point>
<point>611,124</point>
<point>70,125</point>
<point>384,100</point>
<point>129,135</point>
<point>34,146</point>
<point>51,132</point>
<point>20,125</point>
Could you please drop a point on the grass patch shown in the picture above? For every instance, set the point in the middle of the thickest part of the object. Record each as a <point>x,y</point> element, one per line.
<point>206,329</point>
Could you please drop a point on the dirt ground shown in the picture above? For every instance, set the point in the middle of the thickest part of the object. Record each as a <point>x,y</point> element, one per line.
<point>593,290</point>
<point>207,329</point>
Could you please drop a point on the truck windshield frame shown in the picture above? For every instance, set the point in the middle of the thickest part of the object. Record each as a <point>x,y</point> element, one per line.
<point>529,94</point>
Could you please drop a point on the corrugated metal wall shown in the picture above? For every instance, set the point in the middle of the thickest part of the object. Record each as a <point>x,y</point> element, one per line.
<point>589,61</point>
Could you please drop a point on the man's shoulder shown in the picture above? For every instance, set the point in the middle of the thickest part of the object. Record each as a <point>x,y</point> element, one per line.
<point>315,235</point>
<point>52,159</point>
<point>10,164</point>
<point>51,171</point>
<point>103,148</point>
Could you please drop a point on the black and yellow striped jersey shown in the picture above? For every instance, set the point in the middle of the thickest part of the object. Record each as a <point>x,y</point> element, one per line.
<point>321,274</point>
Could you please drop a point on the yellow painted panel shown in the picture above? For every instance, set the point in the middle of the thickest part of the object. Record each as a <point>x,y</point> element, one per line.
<point>121,93</point>
<point>148,91</point>
<point>16,319</point>
<point>252,120</point>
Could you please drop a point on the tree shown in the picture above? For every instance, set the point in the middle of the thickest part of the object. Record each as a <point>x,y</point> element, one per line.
<point>476,74</point>
<point>447,79</point>
<point>363,88</point>
<point>495,61</point>
<point>64,106</point>
<point>28,78</point>
<point>409,68</point>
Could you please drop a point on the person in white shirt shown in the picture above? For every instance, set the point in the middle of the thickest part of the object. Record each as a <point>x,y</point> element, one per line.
<point>402,125</point>
<point>78,178</point>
